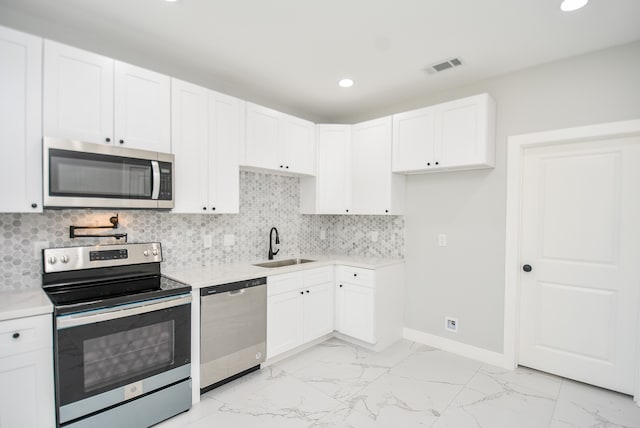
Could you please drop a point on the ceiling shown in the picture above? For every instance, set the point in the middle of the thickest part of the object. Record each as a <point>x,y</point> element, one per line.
<point>289,54</point>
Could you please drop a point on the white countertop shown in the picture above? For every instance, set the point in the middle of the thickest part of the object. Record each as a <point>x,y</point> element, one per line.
<point>206,276</point>
<point>24,303</point>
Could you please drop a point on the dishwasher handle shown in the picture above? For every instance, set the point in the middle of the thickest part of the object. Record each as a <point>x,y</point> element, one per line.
<point>232,286</point>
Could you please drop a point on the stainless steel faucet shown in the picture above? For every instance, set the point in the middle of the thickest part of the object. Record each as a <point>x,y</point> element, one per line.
<point>271,252</point>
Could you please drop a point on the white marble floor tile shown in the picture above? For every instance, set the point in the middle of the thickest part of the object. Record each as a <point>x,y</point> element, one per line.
<point>404,402</point>
<point>500,399</point>
<point>581,405</point>
<point>525,380</point>
<point>437,366</point>
<point>347,417</point>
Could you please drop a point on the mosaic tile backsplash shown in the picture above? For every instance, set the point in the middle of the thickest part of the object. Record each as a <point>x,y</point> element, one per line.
<point>265,201</point>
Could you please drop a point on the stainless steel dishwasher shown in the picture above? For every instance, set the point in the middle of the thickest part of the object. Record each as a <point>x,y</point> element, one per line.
<point>233,331</point>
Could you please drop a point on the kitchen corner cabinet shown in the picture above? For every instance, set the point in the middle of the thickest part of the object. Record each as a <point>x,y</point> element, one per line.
<point>206,132</point>
<point>456,135</point>
<point>374,188</point>
<point>300,308</point>
<point>329,192</point>
<point>21,125</point>
<point>278,142</point>
<point>92,98</point>
<point>26,373</point>
<point>369,304</point>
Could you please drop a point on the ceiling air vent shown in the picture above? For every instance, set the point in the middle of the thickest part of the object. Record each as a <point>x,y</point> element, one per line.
<point>444,65</point>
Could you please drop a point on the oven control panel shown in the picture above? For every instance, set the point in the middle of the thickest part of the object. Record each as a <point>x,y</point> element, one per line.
<point>76,258</point>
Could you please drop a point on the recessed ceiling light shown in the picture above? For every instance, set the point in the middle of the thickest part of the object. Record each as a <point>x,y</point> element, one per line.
<point>571,5</point>
<point>345,83</point>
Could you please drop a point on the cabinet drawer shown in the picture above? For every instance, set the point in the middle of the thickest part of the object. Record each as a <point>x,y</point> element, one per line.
<point>278,284</point>
<point>354,275</point>
<point>25,334</point>
<point>318,276</point>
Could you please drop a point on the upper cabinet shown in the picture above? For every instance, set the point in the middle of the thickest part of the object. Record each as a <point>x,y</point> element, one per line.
<point>278,142</point>
<point>329,192</point>
<point>142,108</point>
<point>354,172</point>
<point>455,135</point>
<point>206,132</point>
<point>92,98</point>
<point>21,124</point>
<point>374,188</point>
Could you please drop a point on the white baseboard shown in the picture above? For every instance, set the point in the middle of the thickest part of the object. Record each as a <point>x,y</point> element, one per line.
<point>462,349</point>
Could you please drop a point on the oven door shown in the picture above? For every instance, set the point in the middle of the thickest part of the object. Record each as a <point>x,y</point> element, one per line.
<point>78,174</point>
<point>108,356</point>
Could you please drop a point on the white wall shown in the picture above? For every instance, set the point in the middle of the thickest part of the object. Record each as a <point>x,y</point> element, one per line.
<point>466,279</point>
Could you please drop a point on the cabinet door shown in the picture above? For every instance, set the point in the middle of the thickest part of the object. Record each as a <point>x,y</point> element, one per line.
<point>78,94</point>
<point>355,311</point>
<point>26,396</point>
<point>189,145</point>
<point>284,322</point>
<point>318,311</point>
<point>371,167</point>
<point>297,145</point>
<point>142,108</point>
<point>462,132</point>
<point>413,140</point>
<point>224,145</point>
<point>262,150</point>
<point>21,124</point>
<point>334,169</point>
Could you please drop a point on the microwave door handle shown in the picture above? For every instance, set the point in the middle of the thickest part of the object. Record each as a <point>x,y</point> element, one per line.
<point>155,192</point>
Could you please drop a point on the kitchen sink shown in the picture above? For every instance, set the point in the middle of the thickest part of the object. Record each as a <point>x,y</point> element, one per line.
<point>281,263</point>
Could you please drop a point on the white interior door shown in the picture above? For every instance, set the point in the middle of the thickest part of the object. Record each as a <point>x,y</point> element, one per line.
<point>581,236</point>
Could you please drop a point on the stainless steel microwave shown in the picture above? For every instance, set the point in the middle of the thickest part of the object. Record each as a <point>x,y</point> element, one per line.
<point>86,175</point>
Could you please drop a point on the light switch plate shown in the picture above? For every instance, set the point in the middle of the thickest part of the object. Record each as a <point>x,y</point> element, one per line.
<point>374,236</point>
<point>208,242</point>
<point>229,240</point>
<point>323,234</point>
<point>442,240</point>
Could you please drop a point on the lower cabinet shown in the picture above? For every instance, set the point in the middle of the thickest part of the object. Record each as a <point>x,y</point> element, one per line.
<point>355,306</point>
<point>300,308</point>
<point>26,373</point>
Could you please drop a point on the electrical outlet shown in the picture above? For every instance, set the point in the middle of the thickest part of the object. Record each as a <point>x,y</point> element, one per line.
<point>442,240</point>
<point>374,236</point>
<point>38,246</point>
<point>451,324</point>
<point>229,240</point>
<point>208,241</point>
<point>323,234</point>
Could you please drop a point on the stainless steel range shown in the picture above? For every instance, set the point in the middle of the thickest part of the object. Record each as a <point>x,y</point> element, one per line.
<point>122,336</point>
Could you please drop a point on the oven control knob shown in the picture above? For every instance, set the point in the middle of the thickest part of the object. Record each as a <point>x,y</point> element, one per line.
<point>53,260</point>
<point>146,253</point>
<point>155,252</point>
<point>64,259</point>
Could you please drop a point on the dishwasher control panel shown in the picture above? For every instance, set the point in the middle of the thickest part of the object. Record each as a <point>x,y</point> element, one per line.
<point>239,285</point>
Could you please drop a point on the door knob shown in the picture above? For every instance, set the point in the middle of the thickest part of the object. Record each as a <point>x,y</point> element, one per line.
<point>527,268</point>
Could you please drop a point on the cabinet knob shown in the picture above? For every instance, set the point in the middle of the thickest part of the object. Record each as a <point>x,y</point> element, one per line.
<point>428,163</point>
<point>121,141</point>
<point>213,208</point>
<point>355,274</point>
<point>281,166</point>
<point>307,291</point>
<point>15,335</point>
<point>108,140</point>
<point>527,268</point>
<point>287,167</point>
<point>386,211</point>
<point>347,210</point>
<point>34,205</point>
<point>302,292</point>
<point>340,285</point>
<point>204,208</point>
<point>437,163</point>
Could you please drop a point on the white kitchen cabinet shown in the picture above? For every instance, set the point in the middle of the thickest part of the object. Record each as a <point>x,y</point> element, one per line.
<point>26,373</point>
<point>21,125</point>
<point>455,135</point>
<point>92,98</point>
<point>329,192</point>
<point>142,108</point>
<point>278,142</point>
<point>374,188</point>
<point>206,129</point>
<point>369,304</point>
<point>78,94</point>
<point>300,308</point>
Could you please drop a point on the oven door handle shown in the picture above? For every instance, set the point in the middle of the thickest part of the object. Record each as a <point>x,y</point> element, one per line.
<point>90,317</point>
